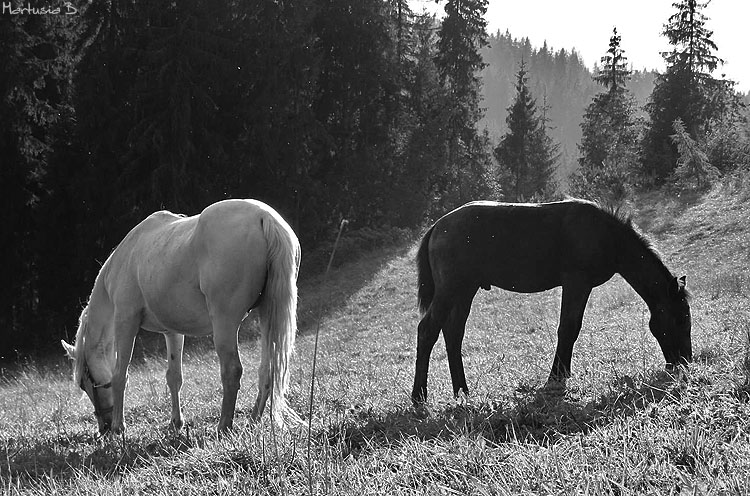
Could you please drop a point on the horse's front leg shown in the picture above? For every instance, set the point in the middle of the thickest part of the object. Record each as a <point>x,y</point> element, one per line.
<point>575,295</point>
<point>125,332</point>
<point>175,344</point>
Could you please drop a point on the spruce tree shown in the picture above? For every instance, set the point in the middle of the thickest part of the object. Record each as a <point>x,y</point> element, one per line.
<point>526,155</point>
<point>460,38</point>
<point>421,171</point>
<point>545,158</point>
<point>683,90</point>
<point>609,141</point>
<point>693,171</point>
<point>614,73</point>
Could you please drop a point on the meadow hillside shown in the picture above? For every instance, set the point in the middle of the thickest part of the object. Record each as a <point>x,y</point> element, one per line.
<point>622,426</point>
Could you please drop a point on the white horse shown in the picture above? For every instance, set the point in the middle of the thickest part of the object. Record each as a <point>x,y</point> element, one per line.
<point>192,276</point>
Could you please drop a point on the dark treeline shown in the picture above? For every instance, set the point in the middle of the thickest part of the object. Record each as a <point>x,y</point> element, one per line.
<point>322,108</point>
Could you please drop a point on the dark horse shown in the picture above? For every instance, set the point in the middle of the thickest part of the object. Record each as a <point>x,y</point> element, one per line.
<point>530,248</point>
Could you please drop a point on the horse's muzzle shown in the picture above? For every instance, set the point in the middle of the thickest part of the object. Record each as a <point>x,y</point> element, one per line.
<point>105,427</point>
<point>105,421</point>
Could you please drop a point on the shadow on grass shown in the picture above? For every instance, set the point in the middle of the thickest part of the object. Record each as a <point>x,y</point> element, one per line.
<point>537,416</point>
<point>540,416</point>
<point>27,461</point>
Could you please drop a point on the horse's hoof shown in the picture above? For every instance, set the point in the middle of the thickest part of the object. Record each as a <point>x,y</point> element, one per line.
<point>676,367</point>
<point>555,385</point>
<point>421,411</point>
<point>224,429</point>
<point>419,397</point>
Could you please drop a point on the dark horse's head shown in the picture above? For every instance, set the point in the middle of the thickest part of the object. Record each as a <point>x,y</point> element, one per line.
<point>670,324</point>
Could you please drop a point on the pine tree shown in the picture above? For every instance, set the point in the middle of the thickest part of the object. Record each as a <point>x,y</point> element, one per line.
<point>526,155</point>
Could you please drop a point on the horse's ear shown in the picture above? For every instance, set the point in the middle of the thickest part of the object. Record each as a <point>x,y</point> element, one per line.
<point>70,350</point>
<point>675,285</point>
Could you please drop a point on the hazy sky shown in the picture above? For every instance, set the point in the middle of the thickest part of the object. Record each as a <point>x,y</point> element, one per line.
<point>586,25</point>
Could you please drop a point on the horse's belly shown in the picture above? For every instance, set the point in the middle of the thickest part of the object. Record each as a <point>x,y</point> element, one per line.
<point>532,285</point>
<point>523,277</point>
<point>188,326</point>
<point>180,310</point>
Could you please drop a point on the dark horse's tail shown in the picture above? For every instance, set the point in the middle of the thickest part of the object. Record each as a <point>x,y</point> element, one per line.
<point>426,284</point>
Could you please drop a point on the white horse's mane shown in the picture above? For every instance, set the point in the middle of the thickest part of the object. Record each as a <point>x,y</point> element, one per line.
<point>79,360</point>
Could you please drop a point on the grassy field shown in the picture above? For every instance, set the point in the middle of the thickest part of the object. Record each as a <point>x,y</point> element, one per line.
<point>622,425</point>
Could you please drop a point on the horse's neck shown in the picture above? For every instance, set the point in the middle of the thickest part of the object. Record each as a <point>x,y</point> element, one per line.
<point>643,270</point>
<point>96,328</point>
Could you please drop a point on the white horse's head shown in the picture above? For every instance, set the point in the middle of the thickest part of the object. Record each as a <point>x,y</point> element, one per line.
<point>97,389</point>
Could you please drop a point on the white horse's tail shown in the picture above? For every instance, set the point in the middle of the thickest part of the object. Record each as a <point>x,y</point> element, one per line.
<point>278,310</point>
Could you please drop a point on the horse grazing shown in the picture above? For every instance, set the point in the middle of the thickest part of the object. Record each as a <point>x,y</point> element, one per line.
<point>528,248</point>
<point>192,276</point>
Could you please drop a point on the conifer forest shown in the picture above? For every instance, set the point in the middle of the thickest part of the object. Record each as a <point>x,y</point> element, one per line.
<point>324,109</point>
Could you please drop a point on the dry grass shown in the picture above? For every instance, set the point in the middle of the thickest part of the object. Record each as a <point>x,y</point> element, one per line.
<point>622,426</point>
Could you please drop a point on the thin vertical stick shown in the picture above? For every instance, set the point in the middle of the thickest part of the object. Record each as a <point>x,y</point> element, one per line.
<point>315,356</point>
<point>273,428</point>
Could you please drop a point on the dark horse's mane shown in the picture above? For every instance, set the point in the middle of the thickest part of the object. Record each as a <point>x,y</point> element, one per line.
<point>625,221</point>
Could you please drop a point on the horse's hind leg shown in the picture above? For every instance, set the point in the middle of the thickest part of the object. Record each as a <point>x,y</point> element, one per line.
<point>175,343</point>
<point>427,334</point>
<point>225,341</point>
<point>575,295</point>
<point>453,334</point>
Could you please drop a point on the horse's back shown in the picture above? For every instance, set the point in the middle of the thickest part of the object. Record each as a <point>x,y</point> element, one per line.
<point>230,232</point>
<point>517,246</point>
<point>155,237</point>
<point>228,219</point>
<point>178,270</point>
<point>231,241</point>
